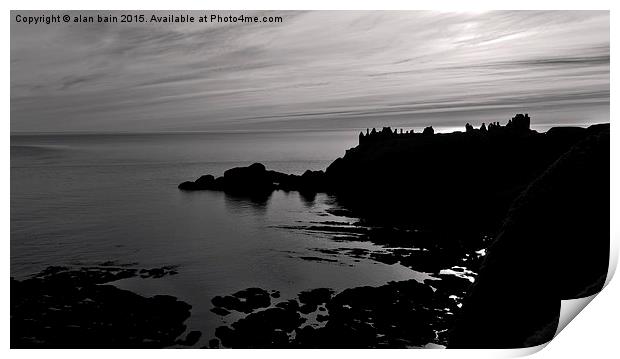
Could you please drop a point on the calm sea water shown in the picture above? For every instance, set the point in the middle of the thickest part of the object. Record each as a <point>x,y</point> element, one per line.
<point>79,200</point>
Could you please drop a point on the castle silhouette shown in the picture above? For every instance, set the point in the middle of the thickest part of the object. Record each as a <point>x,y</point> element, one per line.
<point>518,124</point>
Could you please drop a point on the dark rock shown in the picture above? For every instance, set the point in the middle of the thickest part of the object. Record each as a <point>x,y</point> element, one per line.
<point>307,337</point>
<point>316,296</point>
<point>307,308</point>
<point>264,329</point>
<point>191,338</point>
<point>202,183</point>
<point>253,179</point>
<point>205,181</point>
<point>158,272</point>
<point>395,315</point>
<point>188,186</point>
<point>554,245</point>
<point>250,180</point>
<point>74,308</point>
<point>317,259</point>
<point>245,301</point>
<point>311,299</point>
<point>289,305</point>
<point>220,311</point>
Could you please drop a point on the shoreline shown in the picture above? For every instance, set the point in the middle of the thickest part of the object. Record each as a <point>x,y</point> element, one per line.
<point>452,254</point>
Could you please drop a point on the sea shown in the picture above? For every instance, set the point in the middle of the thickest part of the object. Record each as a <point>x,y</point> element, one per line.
<point>79,200</point>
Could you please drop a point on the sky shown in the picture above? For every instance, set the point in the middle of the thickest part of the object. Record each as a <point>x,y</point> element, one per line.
<point>314,70</point>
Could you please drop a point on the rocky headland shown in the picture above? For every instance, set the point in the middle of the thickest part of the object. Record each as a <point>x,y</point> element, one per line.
<point>553,245</point>
<point>468,178</point>
<point>537,203</point>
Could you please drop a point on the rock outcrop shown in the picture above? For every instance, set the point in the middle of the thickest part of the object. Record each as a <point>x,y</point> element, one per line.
<point>77,308</point>
<point>256,180</point>
<point>466,178</point>
<point>553,245</point>
<point>395,315</point>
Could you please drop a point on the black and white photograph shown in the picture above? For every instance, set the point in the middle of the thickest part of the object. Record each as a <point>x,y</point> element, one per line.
<point>321,179</point>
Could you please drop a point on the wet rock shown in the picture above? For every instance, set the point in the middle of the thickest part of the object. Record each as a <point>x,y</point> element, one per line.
<point>220,311</point>
<point>263,329</point>
<point>191,338</point>
<point>387,258</point>
<point>306,337</point>
<point>74,308</point>
<point>307,308</point>
<point>289,305</point>
<point>311,299</point>
<point>388,315</point>
<point>318,259</point>
<point>316,296</point>
<point>158,272</point>
<point>395,315</point>
<point>245,301</point>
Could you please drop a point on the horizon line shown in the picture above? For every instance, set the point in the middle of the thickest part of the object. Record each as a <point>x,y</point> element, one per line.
<point>232,131</point>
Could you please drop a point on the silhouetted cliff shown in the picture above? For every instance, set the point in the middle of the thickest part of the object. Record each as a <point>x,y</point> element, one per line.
<point>554,244</point>
<point>462,178</point>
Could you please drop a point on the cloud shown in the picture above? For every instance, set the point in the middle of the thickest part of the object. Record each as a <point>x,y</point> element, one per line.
<point>334,66</point>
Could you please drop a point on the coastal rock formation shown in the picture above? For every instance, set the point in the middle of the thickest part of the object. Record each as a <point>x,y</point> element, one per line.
<point>246,180</point>
<point>254,179</point>
<point>467,178</point>
<point>244,301</point>
<point>395,315</point>
<point>257,180</point>
<point>554,245</point>
<point>75,308</point>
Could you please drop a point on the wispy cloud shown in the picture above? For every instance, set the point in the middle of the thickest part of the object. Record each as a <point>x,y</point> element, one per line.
<point>340,69</point>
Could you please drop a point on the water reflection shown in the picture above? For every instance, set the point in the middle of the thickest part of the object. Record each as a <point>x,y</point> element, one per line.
<point>307,198</point>
<point>242,204</point>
